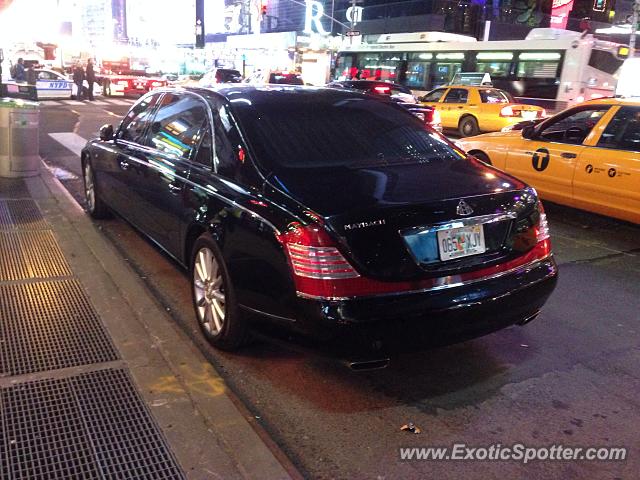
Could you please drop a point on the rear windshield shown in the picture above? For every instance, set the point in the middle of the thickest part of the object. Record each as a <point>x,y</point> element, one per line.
<point>350,133</point>
<point>286,78</point>
<point>495,96</point>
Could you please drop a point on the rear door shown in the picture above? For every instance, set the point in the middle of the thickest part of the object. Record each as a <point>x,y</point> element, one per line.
<point>607,178</point>
<point>548,161</point>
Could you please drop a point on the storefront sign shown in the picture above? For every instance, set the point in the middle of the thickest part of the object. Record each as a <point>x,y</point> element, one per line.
<point>313,18</point>
<point>560,13</point>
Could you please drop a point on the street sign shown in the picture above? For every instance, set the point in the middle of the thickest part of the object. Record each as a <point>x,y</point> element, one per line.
<point>353,33</point>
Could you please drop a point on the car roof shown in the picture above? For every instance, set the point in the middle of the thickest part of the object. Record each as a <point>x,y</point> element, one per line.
<point>479,87</point>
<point>269,94</point>
<point>634,101</point>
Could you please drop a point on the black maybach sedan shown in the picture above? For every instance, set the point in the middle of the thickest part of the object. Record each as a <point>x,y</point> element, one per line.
<point>328,214</point>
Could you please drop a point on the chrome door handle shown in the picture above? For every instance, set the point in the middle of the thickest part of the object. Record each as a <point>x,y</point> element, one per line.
<point>568,155</point>
<point>124,165</point>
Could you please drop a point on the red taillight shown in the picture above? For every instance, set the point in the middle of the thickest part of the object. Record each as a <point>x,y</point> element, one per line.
<point>319,269</point>
<point>535,235</point>
<point>382,90</point>
<point>508,111</point>
<point>436,120</point>
<point>542,113</point>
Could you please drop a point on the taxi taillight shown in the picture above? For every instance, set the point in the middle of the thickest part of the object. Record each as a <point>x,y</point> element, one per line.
<point>508,111</point>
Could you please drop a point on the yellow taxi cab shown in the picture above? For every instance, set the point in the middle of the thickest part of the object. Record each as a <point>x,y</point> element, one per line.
<point>474,109</point>
<point>587,156</point>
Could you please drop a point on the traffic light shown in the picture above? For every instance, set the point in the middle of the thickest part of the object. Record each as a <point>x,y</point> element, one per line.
<point>263,9</point>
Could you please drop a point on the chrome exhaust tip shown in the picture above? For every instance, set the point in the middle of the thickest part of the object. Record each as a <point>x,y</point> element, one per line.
<point>365,365</point>
<point>529,318</point>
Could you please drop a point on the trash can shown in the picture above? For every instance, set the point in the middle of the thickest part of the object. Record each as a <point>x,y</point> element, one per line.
<point>19,149</point>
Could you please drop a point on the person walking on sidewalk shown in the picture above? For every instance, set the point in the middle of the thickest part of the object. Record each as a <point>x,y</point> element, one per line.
<point>90,75</point>
<point>20,75</point>
<point>78,79</point>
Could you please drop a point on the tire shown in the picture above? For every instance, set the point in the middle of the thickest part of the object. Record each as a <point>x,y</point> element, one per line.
<point>468,126</point>
<point>213,297</point>
<point>483,157</point>
<point>95,206</point>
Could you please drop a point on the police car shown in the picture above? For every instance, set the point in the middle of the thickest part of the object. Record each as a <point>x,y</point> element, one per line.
<point>51,84</point>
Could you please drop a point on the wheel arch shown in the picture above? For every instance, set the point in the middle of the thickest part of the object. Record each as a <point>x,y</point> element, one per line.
<point>482,153</point>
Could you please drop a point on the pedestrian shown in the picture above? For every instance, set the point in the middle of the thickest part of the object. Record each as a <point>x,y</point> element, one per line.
<point>31,75</point>
<point>78,79</point>
<point>90,75</point>
<point>20,75</point>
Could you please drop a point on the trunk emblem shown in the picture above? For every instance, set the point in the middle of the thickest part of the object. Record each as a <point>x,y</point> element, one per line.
<point>354,226</point>
<point>464,208</point>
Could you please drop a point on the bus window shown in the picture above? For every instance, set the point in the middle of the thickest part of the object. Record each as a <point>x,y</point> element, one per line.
<point>344,67</point>
<point>448,64</point>
<point>379,66</point>
<point>418,69</point>
<point>496,64</point>
<point>538,65</point>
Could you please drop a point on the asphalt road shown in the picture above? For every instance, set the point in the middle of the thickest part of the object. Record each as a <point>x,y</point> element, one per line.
<point>571,377</point>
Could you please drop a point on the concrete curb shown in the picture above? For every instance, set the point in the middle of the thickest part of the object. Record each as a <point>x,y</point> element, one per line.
<point>210,435</point>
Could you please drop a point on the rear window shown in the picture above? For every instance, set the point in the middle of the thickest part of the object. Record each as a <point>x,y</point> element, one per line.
<point>495,96</point>
<point>349,133</point>
<point>286,78</point>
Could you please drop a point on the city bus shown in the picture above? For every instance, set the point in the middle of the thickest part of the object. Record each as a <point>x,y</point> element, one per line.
<point>551,68</point>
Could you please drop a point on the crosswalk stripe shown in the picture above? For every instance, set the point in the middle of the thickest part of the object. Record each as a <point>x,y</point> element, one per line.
<point>120,102</point>
<point>100,102</point>
<point>70,140</point>
<point>72,102</point>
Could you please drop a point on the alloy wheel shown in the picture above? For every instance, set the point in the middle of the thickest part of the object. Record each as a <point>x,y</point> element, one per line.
<point>208,288</point>
<point>89,188</point>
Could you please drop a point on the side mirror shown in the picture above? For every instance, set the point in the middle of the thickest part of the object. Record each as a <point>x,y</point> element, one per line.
<point>528,132</point>
<point>106,133</point>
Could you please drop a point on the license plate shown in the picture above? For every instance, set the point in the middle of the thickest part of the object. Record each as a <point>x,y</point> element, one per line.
<point>461,242</point>
<point>529,114</point>
<point>140,87</point>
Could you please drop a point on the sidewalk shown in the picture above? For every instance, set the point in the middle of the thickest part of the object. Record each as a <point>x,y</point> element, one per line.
<point>95,380</point>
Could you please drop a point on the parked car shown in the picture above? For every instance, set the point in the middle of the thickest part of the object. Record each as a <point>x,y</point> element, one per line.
<point>325,213</point>
<point>587,156</point>
<point>396,93</point>
<point>276,77</point>
<point>220,75</point>
<point>473,109</point>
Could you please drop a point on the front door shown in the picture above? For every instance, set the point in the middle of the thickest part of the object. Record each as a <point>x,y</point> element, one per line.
<point>171,140</point>
<point>606,178</point>
<point>548,160</point>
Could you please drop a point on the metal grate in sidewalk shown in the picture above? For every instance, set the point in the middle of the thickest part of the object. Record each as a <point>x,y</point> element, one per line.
<point>31,254</point>
<point>89,426</point>
<point>49,326</point>
<point>13,188</point>
<point>21,214</point>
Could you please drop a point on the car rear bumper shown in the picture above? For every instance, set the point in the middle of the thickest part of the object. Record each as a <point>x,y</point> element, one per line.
<point>416,320</point>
